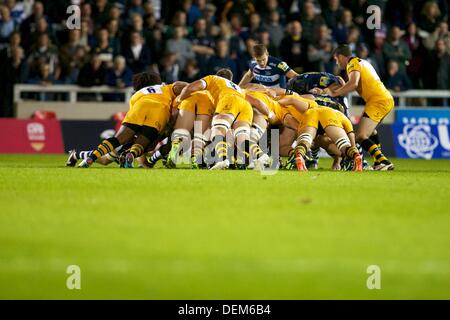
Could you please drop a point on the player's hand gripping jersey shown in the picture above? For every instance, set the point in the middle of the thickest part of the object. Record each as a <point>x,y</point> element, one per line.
<point>150,106</point>
<point>379,101</point>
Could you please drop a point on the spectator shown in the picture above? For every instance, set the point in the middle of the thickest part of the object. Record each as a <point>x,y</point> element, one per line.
<point>294,49</point>
<point>396,79</point>
<point>7,25</point>
<point>44,77</point>
<point>86,38</point>
<point>137,25</point>
<point>254,27</point>
<point>100,11</point>
<point>242,7</point>
<point>29,24</point>
<point>271,7</point>
<point>202,43</point>
<point>44,53</point>
<point>72,56</point>
<point>363,53</point>
<point>273,26</point>
<point>441,32</point>
<point>320,51</point>
<point>135,8</point>
<point>264,38</point>
<point>180,46</point>
<point>119,77</point>
<point>438,68</point>
<point>310,22</point>
<point>104,48</point>
<point>191,72</point>
<point>353,38</point>
<point>156,44</point>
<point>92,73</point>
<point>429,17</point>
<point>396,49</point>
<point>415,68</point>
<point>17,11</point>
<point>137,54</point>
<point>332,13</point>
<point>14,41</point>
<point>169,68</point>
<point>209,13</point>
<point>378,53</point>
<point>222,60</point>
<point>193,10</point>
<point>115,34</point>
<point>14,69</point>
<point>340,32</point>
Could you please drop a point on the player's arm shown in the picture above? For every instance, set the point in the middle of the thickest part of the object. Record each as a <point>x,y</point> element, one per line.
<point>178,86</point>
<point>260,106</point>
<point>300,105</point>
<point>191,88</point>
<point>248,76</point>
<point>351,85</point>
<point>291,74</point>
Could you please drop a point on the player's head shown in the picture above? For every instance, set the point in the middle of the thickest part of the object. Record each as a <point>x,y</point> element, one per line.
<point>261,55</point>
<point>225,73</point>
<point>145,79</point>
<point>297,84</point>
<point>341,55</point>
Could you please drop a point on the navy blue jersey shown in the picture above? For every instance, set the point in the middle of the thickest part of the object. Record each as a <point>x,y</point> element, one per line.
<point>273,75</point>
<point>304,82</point>
<point>336,103</point>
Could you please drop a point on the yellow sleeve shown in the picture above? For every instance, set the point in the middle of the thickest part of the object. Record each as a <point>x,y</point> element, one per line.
<point>207,80</point>
<point>353,65</point>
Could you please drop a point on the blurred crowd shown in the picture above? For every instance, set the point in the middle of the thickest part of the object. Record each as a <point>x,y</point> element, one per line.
<point>187,39</point>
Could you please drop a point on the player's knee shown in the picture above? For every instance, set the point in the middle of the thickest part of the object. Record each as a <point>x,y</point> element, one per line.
<point>256,132</point>
<point>181,134</point>
<point>361,136</point>
<point>343,143</point>
<point>242,133</point>
<point>219,126</point>
<point>306,139</point>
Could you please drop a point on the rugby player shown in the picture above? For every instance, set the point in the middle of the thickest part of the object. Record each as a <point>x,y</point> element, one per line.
<point>379,102</point>
<point>150,110</point>
<point>231,111</point>
<point>314,120</point>
<point>267,70</point>
<point>199,106</point>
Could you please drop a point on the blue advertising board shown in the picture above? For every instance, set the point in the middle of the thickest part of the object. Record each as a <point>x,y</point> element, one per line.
<point>422,133</point>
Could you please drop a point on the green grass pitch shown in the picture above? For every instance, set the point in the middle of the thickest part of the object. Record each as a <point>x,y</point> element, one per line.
<point>184,234</point>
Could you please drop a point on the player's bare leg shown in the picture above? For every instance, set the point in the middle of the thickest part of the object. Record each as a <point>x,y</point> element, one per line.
<point>304,142</point>
<point>181,136</point>
<point>220,124</point>
<point>323,141</point>
<point>342,142</point>
<point>146,136</point>
<point>257,155</point>
<point>200,140</point>
<point>365,129</point>
<point>125,134</point>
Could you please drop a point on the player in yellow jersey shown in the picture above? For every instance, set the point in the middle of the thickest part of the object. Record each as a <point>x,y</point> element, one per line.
<point>379,102</point>
<point>232,111</point>
<point>150,109</point>
<point>319,120</point>
<point>266,112</point>
<point>199,106</point>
